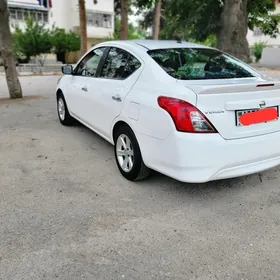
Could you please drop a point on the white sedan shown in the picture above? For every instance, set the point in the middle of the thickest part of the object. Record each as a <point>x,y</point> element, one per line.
<point>185,110</point>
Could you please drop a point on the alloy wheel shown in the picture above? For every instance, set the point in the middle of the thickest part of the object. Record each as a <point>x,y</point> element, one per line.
<point>125,153</point>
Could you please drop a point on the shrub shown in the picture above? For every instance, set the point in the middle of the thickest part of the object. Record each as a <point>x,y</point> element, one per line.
<point>33,41</point>
<point>258,49</point>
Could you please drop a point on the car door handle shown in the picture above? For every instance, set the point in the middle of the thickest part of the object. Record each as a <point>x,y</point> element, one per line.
<point>84,89</point>
<point>116,98</point>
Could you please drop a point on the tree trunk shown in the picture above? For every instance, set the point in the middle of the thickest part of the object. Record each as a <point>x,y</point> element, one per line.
<point>124,20</point>
<point>83,26</point>
<point>232,37</point>
<point>157,16</point>
<point>6,53</point>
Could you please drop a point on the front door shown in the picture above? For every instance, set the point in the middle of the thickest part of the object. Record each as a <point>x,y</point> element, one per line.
<point>119,73</point>
<point>83,92</point>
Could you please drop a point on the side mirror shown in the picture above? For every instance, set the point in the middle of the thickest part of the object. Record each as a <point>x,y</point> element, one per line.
<point>67,69</point>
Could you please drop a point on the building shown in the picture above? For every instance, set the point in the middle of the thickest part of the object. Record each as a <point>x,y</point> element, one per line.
<point>256,35</point>
<point>65,14</point>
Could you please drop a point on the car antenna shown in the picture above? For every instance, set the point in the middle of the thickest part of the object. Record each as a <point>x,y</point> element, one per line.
<point>178,39</point>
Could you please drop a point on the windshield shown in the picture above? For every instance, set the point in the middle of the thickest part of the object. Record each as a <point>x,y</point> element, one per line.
<point>200,64</point>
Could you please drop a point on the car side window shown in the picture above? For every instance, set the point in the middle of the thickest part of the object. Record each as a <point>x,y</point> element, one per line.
<point>131,66</point>
<point>119,64</point>
<point>88,66</point>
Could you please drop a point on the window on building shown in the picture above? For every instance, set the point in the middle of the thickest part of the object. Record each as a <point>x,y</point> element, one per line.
<point>99,20</point>
<point>46,17</point>
<point>39,17</point>
<point>26,14</point>
<point>33,15</point>
<point>20,14</point>
<point>257,31</point>
<point>13,14</point>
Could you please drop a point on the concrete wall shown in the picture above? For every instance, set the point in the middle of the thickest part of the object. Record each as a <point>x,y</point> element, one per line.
<point>100,32</point>
<point>270,57</point>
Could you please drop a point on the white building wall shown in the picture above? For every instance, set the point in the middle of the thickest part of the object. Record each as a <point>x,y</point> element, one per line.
<point>32,2</point>
<point>21,8</point>
<point>101,6</point>
<point>65,14</point>
<point>252,39</point>
<point>104,7</point>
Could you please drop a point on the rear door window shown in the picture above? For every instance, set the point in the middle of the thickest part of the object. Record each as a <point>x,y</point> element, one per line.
<point>119,64</point>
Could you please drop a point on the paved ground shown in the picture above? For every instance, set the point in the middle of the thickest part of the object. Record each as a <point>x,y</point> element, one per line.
<point>66,213</point>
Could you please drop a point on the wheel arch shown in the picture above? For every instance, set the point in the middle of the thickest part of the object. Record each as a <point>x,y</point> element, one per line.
<point>58,92</point>
<point>117,126</point>
<point>144,171</point>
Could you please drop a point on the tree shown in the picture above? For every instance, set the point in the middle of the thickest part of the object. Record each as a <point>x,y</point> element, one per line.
<point>32,41</point>
<point>123,9</point>
<point>133,32</point>
<point>124,20</point>
<point>232,34</point>
<point>6,53</point>
<point>83,26</point>
<point>157,15</point>
<point>228,20</point>
<point>154,14</point>
<point>63,42</point>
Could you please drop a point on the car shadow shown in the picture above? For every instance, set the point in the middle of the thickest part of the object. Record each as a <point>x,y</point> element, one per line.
<point>158,180</point>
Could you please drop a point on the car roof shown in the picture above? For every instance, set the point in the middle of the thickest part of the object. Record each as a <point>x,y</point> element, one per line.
<point>156,44</point>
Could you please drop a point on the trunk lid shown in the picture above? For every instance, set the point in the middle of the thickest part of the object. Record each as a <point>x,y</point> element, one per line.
<point>222,100</point>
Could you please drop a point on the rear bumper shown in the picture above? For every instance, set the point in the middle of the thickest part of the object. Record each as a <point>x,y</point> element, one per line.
<point>197,158</point>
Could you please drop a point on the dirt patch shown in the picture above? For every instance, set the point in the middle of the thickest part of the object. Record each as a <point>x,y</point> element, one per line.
<point>20,100</point>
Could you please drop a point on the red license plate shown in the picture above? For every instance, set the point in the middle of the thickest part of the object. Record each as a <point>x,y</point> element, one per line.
<point>258,116</point>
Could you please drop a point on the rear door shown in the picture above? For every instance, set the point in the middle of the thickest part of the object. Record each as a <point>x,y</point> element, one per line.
<point>224,101</point>
<point>119,73</point>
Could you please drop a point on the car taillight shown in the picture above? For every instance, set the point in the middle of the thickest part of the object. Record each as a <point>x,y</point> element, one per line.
<point>186,117</point>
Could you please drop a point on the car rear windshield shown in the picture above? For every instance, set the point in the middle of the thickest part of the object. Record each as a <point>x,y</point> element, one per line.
<point>200,64</point>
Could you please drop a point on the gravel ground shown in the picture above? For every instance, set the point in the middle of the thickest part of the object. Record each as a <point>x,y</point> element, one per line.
<point>66,213</point>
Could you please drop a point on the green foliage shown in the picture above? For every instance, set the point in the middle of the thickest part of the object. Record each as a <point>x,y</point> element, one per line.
<point>210,41</point>
<point>144,4</point>
<point>34,41</point>
<point>258,49</point>
<point>260,16</point>
<point>140,4</point>
<point>133,32</point>
<point>199,19</point>
<point>63,41</point>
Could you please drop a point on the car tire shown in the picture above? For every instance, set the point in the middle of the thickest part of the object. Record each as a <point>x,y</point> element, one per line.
<point>62,111</point>
<point>128,155</point>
